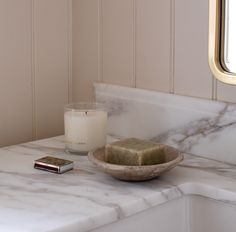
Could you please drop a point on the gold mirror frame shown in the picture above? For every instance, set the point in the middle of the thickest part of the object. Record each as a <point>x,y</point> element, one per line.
<point>216,41</point>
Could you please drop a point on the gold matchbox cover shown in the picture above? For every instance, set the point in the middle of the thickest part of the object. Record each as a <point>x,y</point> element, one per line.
<point>53,164</point>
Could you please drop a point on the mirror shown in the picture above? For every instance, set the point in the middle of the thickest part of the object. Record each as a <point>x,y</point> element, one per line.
<point>222,40</point>
<point>228,58</point>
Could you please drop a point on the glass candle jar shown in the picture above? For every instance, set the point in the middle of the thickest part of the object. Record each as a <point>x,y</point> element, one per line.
<point>85,127</point>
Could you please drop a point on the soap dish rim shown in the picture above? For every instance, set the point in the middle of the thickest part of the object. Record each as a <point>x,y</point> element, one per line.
<point>109,167</point>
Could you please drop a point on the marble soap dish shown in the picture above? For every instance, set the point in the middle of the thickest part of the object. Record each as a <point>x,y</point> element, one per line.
<point>136,173</point>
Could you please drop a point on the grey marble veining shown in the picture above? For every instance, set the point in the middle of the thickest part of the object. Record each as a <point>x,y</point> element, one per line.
<point>114,106</point>
<point>189,135</point>
<point>202,127</point>
<point>85,198</point>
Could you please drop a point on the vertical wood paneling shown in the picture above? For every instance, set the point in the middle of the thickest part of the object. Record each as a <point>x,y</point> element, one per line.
<point>117,41</point>
<point>85,48</point>
<point>153,44</point>
<point>51,65</point>
<point>192,74</point>
<point>15,69</point>
<point>134,39</point>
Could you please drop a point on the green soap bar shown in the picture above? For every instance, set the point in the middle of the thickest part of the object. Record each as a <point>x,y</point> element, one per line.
<point>134,152</point>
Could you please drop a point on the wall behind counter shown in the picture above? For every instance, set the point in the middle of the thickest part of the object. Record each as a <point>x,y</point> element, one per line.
<point>35,75</point>
<point>151,44</point>
<point>53,50</point>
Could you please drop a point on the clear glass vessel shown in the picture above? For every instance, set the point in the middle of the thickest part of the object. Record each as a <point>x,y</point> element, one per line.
<point>85,127</point>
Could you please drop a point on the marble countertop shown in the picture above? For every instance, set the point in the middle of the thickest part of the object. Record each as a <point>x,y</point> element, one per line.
<point>85,198</point>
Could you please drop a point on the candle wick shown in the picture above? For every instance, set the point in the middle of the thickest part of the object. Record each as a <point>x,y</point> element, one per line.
<point>86,112</point>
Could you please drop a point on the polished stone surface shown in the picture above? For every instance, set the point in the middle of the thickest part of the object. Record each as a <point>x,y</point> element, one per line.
<point>86,198</point>
<point>197,126</point>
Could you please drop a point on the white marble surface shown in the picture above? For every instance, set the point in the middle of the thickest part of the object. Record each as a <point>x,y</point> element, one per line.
<point>85,198</point>
<point>197,126</point>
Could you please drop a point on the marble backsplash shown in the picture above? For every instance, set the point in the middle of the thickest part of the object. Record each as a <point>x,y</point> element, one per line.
<point>196,126</point>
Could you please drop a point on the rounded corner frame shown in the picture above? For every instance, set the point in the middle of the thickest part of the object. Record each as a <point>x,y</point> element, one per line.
<point>214,44</point>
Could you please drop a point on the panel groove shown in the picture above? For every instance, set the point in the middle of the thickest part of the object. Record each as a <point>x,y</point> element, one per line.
<point>33,79</point>
<point>134,44</point>
<point>172,45</point>
<point>70,81</point>
<point>214,88</point>
<point>100,42</point>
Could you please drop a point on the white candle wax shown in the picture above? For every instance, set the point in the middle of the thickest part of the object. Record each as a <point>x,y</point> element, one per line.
<point>85,131</point>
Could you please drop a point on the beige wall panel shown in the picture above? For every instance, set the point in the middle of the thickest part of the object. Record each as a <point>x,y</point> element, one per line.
<point>15,72</point>
<point>51,65</point>
<point>85,48</point>
<point>117,41</point>
<point>153,44</point>
<point>192,74</point>
<point>226,92</point>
